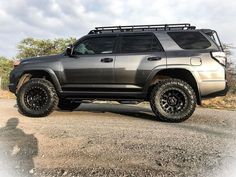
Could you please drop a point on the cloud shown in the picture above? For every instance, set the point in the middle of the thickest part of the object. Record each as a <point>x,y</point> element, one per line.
<point>62,18</point>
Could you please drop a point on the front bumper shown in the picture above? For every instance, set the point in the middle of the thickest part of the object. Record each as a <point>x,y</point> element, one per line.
<point>12,87</point>
<point>13,79</point>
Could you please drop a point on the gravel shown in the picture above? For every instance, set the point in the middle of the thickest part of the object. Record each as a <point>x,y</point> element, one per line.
<point>116,140</point>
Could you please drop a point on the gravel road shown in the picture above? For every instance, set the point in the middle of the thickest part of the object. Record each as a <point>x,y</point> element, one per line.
<point>116,140</point>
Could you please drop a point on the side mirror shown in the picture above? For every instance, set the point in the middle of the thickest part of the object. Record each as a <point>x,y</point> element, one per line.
<point>69,50</point>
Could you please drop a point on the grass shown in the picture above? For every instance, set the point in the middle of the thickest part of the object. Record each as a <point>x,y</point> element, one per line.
<point>227,102</point>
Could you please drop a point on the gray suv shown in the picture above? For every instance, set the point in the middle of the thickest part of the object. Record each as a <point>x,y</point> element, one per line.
<point>173,66</point>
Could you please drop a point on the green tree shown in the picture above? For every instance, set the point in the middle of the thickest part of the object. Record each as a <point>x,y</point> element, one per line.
<point>30,47</point>
<point>6,66</point>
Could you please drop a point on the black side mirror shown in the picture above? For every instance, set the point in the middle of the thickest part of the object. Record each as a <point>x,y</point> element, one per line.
<point>69,50</point>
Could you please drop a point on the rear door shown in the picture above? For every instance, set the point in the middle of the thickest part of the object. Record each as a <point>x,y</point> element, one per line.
<point>138,54</point>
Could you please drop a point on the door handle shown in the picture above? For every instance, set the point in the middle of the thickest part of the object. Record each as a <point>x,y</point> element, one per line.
<point>153,58</point>
<point>106,60</point>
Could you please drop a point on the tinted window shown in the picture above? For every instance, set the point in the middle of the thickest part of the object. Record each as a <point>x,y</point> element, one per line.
<point>215,39</point>
<point>96,45</point>
<point>190,40</point>
<point>139,43</point>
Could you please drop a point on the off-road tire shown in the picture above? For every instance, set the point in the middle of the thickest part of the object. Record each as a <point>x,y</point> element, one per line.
<point>163,100</point>
<point>37,98</point>
<point>65,104</point>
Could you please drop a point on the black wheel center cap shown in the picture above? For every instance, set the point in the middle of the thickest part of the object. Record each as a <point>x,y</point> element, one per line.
<point>36,98</point>
<point>172,100</point>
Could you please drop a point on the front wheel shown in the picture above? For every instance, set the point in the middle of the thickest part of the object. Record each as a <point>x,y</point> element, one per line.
<point>173,100</point>
<point>37,98</point>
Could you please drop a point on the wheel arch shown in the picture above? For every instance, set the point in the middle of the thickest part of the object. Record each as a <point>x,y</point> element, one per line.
<point>178,73</point>
<point>48,74</point>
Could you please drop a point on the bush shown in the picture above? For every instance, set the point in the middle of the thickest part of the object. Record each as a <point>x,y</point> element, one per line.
<point>6,66</point>
<point>232,88</point>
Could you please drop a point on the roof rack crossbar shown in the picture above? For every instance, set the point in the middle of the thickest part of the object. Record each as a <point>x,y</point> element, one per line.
<point>181,26</point>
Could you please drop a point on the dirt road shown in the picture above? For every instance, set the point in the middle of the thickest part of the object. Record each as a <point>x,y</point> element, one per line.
<point>116,140</point>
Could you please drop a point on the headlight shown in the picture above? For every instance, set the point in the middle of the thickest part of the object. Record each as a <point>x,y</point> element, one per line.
<point>16,63</point>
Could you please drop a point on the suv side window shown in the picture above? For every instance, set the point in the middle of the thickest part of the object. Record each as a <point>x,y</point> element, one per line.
<point>96,45</point>
<point>190,40</point>
<point>140,43</point>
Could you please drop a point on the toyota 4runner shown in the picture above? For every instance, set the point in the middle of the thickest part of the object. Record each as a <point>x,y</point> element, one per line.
<point>173,66</point>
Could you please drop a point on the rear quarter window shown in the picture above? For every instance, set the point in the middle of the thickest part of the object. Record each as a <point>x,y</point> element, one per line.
<point>190,40</point>
<point>140,43</point>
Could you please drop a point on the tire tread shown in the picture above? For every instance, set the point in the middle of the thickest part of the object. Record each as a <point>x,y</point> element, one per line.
<point>164,83</point>
<point>53,94</point>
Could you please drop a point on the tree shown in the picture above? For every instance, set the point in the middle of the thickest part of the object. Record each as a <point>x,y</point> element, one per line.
<point>30,47</point>
<point>6,66</point>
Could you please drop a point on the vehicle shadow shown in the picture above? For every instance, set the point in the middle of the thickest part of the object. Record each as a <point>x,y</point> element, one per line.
<point>126,110</point>
<point>193,124</point>
<point>17,150</point>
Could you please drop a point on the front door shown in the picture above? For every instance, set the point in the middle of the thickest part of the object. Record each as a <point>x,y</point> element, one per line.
<point>92,63</point>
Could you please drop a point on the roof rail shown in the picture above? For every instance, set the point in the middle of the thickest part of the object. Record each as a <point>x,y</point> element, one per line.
<point>134,28</point>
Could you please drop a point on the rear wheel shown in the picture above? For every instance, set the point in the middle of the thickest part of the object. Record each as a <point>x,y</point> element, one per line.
<point>173,100</point>
<point>65,104</point>
<point>37,98</point>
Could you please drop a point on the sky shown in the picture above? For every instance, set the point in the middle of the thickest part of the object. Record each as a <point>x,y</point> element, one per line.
<point>45,19</point>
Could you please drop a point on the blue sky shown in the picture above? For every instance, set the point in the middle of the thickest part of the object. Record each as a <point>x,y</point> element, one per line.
<point>64,18</point>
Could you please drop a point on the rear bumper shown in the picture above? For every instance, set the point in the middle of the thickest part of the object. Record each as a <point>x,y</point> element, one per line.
<point>219,93</point>
<point>220,89</point>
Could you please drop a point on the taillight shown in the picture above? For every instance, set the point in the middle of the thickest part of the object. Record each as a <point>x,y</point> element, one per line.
<point>16,63</point>
<point>219,57</point>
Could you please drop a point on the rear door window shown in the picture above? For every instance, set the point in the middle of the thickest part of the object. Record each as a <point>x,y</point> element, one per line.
<point>190,40</point>
<point>140,43</point>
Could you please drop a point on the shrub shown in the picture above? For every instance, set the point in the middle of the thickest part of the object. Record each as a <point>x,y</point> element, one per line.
<point>6,66</point>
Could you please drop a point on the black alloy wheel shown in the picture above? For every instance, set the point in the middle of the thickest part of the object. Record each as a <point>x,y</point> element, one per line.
<point>37,98</point>
<point>173,100</point>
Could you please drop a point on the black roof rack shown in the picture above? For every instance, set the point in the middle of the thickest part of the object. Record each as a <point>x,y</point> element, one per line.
<point>134,28</point>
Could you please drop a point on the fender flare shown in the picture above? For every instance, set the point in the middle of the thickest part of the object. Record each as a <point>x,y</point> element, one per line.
<point>50,73</point>
<point>155,71</point>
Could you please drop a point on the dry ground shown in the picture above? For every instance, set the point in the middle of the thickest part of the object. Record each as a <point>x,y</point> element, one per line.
<point>227,102</point>
<point>116,140</point>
